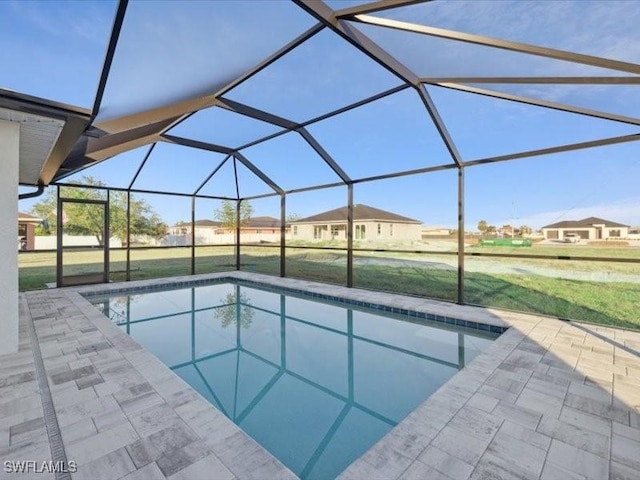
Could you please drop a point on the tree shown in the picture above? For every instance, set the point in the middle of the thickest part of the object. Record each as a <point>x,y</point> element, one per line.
<point>293,217</point>
<point>87,219</point>
<point>226,214</point>
<point>482,226</point>
<point>235,308</point>
<point>525,230</point>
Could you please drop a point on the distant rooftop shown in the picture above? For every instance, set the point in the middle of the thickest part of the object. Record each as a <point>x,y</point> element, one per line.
<point>25,217</point>
<point>585,223</point>
<point>360,212</point>
<point>262,222</point>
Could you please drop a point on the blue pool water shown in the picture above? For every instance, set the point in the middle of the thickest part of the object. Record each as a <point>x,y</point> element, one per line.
<point>316,384</point>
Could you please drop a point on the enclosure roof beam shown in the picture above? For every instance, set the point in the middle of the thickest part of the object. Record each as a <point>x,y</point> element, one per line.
<point>589,80</point>
<point>325,116</point>
<point>215,170</point>
<point>264,195</point>
<point>218,149</point>
<point>502,44</point>
<point>253,71</point>
<point>416,171</point>
<point>363,43</point>
<point>376,7</point>
<point>177,110</point>
<point>91,150</point>
<point>356,38</point>
<point>187,142</point>
<point>357,104</point>
<point>559,149</point>
<point>315,187</point>
<point>259,173</point>
<point>111,50</point>
<point>145,127</point>
<point>300,39</point>
<point>542,103</point>
<point>141,166</point>
<point>252,112</point>
<point>235,177</point>
<point>71,132</point>
<point>324,155</point>
<point>440,126</point>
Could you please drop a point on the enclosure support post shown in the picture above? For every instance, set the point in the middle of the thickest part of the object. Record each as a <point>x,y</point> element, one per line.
<point>350,235</point>
<point>238,202</point>
<point>58,238</point>
<point>128,235</point>
<point>193,235</point>
<point>461,235</point>
<point>283,220</point>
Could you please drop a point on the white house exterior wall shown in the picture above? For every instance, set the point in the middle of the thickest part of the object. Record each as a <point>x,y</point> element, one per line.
<point>9,162</point>
<point>592,232</point>
<point>389,231</point>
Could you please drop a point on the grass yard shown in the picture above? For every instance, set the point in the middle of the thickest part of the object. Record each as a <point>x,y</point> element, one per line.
<point>604,302</point>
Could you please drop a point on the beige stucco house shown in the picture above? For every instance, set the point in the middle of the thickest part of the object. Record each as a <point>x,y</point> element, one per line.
<point>253,225</point>
<point>211,232</point>
<point>592,228</point>
<point>369,223</point>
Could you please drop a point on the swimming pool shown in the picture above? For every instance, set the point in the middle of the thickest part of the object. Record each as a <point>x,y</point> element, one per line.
<point>316,383</point>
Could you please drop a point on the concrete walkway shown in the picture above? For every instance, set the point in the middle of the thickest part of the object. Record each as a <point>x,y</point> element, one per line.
<point>547,400</point>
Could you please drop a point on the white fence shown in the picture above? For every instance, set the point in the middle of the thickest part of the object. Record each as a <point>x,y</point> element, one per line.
<point>223,239</point>
<point>51,242</point>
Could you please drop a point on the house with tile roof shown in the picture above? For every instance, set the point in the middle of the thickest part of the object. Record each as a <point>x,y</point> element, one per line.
<point>591,228</point>
<point>369,223</point>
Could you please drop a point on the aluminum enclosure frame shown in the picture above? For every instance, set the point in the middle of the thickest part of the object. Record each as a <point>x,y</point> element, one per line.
<point>102,140</point>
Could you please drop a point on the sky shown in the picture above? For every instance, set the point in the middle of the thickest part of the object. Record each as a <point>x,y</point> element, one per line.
<point>170,51</point>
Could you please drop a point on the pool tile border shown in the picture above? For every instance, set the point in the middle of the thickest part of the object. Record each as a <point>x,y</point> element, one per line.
<point>497,329</point>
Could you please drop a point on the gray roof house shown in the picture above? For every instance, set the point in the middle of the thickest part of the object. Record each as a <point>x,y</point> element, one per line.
<point>591,228</point>
<point>370,223</point>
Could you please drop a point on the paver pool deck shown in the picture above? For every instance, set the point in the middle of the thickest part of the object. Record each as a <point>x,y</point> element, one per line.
<point>549,399</point>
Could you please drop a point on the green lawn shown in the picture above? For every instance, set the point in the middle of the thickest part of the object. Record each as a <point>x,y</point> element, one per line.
<point>609,303</point>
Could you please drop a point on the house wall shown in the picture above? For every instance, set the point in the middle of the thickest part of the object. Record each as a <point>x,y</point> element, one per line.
<point>28,237</point>
<point>304,232</point>
<point>9,164</point>
<point>585,233</point>
<point>624,232</point>
<point>401,231</point>
<point>590,233</point>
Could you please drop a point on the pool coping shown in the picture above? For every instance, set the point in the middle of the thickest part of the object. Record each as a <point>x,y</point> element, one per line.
<point>482,387</point>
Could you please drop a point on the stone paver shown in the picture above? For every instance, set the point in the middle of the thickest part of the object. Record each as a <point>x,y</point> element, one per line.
<point>547,400</point>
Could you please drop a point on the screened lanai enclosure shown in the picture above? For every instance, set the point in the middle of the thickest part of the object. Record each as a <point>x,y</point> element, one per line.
<point>476,152</point>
